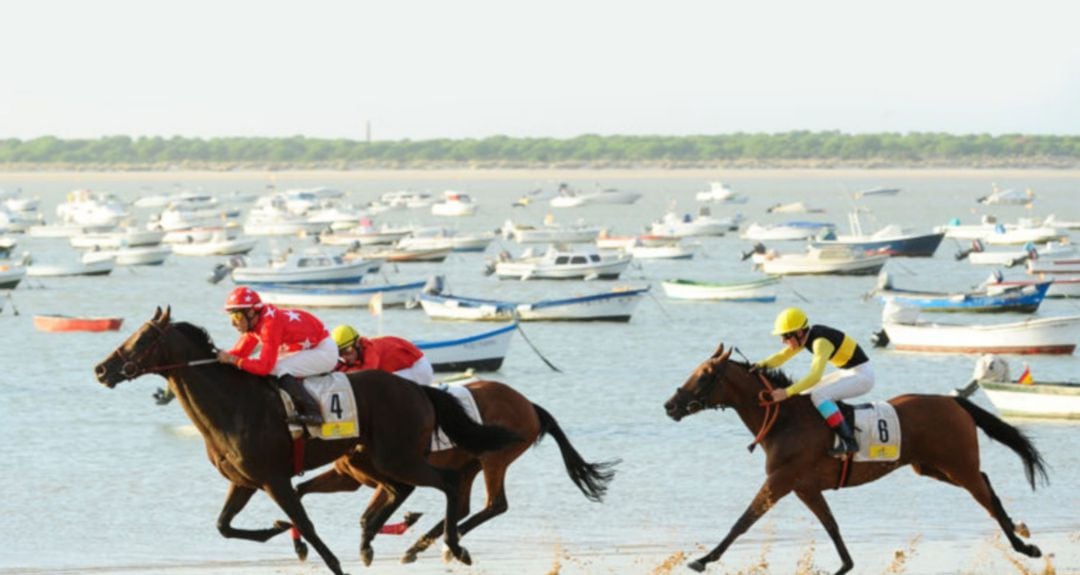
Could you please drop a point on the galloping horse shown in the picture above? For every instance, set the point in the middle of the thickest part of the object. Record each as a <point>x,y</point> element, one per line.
<point>499,405</point>
<point>242,421</point>
<point>939,440</point>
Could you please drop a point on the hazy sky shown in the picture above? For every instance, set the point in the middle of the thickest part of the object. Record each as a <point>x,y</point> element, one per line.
<point>460,68</point>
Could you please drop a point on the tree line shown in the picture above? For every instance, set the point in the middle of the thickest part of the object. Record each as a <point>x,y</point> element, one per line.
<point>746,149</point>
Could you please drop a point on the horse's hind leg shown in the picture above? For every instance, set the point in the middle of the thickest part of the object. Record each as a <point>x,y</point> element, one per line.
<point>237,497</point>
<point>282,492</point>
<point>773,490</point>
<point>816,502</point>
<point>468,473</point>
<point>387,498</point>
<point>982,491</point>
<point>331,481</point>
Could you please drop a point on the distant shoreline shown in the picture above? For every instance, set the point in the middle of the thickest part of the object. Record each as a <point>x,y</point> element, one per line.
<point>879,175</point>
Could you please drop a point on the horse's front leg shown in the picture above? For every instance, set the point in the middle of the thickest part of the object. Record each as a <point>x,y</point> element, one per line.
<point>237,497</point>
<point>816,502</point>
<point>387,498</point>
<point>281,491</point>
<point>773,490</point>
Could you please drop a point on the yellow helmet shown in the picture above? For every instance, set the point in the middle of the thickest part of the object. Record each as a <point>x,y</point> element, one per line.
<point>344,336</point>
<point>789,320</point>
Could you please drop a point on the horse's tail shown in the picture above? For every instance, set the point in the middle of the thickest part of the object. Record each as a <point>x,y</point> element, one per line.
<point>1012,437</point>
<point>462,430</point>
<point>591,478</point>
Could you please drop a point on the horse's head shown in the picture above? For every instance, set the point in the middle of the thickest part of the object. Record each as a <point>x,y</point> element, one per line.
<point>702,389</point>
<point>138,354</point>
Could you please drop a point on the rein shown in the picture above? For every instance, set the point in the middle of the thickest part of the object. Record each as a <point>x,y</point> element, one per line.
<point>772,411</point>
<point>131,368</point>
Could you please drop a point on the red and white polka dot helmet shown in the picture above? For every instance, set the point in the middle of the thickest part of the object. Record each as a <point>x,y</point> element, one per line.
<point>242,297</point>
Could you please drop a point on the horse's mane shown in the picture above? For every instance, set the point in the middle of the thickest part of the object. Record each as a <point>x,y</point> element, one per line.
<point>196,335</point>
<point>775,376</point>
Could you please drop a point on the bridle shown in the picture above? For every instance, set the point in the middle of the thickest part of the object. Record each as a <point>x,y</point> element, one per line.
<point>699,399</point>
<point>131,368</point>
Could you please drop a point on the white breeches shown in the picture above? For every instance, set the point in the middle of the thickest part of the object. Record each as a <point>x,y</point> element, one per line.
<point>421,372</point>
<point>319,359</point>
<point>843,384</point>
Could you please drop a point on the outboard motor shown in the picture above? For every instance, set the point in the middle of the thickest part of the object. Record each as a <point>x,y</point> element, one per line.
<point>880,338</point>
<point>759,248</point>
<point>435,285</point>
<point>219,273</point>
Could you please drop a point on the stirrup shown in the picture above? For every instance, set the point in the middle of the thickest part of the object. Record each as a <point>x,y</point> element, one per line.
<point>846,447</point>
<point>305,419</point>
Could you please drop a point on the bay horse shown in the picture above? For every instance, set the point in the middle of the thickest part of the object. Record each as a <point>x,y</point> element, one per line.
<point>242,420</point>
<point>499,405</point>
<point>938,439</point>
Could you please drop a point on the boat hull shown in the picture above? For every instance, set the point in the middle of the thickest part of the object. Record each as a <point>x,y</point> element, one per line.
<point>292,296</point>
<point>1026,299</point>
<point>480,352</point>
<point>1036,336</point>
<point>62,323</point>
<point>737,292</point>
<point>1052,400</point>
<point>615,306</point>
<point>920,246</point>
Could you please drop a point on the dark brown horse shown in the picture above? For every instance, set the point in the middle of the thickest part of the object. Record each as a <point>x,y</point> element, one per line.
<point>499,405</point>
<point>939,440</point>
<point>242,421</point>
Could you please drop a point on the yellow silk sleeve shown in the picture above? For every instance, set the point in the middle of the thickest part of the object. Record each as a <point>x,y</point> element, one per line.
<point>779,358</point>
<point>822,350</point>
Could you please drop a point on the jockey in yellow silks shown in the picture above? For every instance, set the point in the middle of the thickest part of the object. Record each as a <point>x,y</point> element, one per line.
<point>853,377</point>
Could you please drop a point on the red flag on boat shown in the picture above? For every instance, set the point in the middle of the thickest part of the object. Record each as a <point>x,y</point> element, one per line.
<point>1025,378</point>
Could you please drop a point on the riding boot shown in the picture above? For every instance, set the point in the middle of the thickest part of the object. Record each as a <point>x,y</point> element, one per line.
<point>847,440</point>
<point>307,407</point>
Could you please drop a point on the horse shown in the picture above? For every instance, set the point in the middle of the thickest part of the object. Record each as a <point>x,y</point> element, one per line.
<point>500,405</point>
<point>939,441</point>
<point>242,420</point>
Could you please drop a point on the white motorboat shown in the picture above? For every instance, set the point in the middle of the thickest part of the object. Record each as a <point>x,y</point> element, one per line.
<point>129,237</point>
<point>1010,257</point>
<point>407,199</point>
<point>1054,268</point>
<point>614,305</point>
<point>340,296</point>
<point>890,239</point>
<point>86,208</point>
<point>742,291</point>
<point>904,329</point>
<point>454,204</point>
<point>720,192</point>
<point>437,237</point>
<point>687,225</point>
<point>550,232</point>
<point>672,251</point>
<point>138,256</point>
<point>1025,396</point>
<point>310,267</point>
<point>569,198</point>
<point>793,208</point>
<point>11,275</point>
<point>224,242</point>
<point>91,264</point>
<point>561,263</point>
<point>831,260</point>
<point>365,233</point>
<point>1007,196</point>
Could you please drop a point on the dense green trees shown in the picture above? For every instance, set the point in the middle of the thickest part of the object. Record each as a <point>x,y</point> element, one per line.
<point>790,148</point>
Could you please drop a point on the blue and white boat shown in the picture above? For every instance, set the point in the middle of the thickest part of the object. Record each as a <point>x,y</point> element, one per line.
<point>339,295</point>
<point>307,268</point>
<point>990,299</point>
<point>891,239</point>
<point>483,351</point>
<point>615,305</point>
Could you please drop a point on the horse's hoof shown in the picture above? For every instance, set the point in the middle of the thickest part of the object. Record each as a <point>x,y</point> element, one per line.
<point>447,554</point>
<point>412,517</point>
<point>282,526</point>
<point>366,555</point>
<point>1033,551</point>
<point>1022,530</point>
<point>696,566</point>
<point>409,557</point>
<point>464,556</point>
<point>301,549</point>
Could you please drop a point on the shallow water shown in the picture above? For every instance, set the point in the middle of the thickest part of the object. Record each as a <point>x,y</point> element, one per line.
<point>104,480</point>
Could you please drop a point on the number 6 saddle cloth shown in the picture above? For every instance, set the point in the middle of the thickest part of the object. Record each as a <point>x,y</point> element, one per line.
<point>877,429</point>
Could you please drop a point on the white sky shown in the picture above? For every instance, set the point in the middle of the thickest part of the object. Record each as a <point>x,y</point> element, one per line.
<point>464,68</point>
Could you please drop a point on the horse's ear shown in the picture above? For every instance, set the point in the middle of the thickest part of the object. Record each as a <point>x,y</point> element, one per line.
<point>719,351</point>
<point>726,355</point>
<point>157,314</point>
<point>165,316</point>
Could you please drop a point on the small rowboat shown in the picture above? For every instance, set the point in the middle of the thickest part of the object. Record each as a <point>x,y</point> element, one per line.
<point>69,323</point>
<point>741,291</point>
<point>1052,335</point>
<point>482,352</point>
<point>1020,398</point>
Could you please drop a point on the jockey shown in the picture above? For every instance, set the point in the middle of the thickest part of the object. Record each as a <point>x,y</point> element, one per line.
<point>294,344</point>
<point>388,353</point>
<point>854,376</point>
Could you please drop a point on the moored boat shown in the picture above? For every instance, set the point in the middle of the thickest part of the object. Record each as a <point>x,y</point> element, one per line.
<point>558,263</point>
<point>745,291</point>
<point>834,260</point>
<point>1053,335</point>
<point>10,276</point>
<point>311,268</point>
<point>614,305</point>
<point>57,323</point>
<point>1025,396</point>
<point>483,351</point>
<point>990,298</point>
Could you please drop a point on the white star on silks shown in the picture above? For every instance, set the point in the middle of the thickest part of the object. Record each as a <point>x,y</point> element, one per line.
<point>270,312</point>
<point>306,344</point>
<point>292,315</point>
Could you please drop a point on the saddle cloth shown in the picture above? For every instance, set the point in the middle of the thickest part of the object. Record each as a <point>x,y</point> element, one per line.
<point>877,429</point>
<point>439,440</point>
<point>336,402</point>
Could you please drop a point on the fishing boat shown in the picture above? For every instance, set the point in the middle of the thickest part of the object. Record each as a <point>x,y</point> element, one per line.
<point>990,298</point>
<point>91,264</point>
<point>979,255</point>
<point>550,232</point>
<point>398,254</point>
<point>56,323</point>
<point>483,351</point>
<point>1052,335</point>
<point>1054,267</point>
<point>720,192</point>
<point>437,237</point>
<point>687,225</point>
<point>787,231</point>
<point>834,260</point>
<point>570,198</point>
<point>891,239</point>
<point>310,268</point>
<point>11,275</point>
<point>454,204</point>
<point>1026,396</point>
<point>138,256</point>
<point>744,291</point>
<point>614,305</point>
<point>305,296</point>
<point>562,263</point>
<point>1060,287</point>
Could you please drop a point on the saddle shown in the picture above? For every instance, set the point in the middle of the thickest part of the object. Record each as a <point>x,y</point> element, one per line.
<point>877,429</point>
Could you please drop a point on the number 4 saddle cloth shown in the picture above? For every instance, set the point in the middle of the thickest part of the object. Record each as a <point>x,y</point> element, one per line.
<point>877,429</point>
<point>338,406</point>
